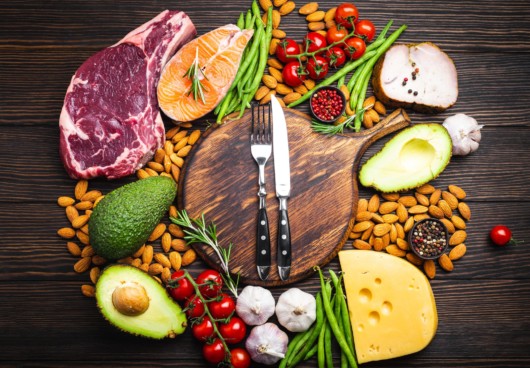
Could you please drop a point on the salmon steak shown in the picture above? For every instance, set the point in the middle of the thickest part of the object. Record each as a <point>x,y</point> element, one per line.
<point>216,56</point>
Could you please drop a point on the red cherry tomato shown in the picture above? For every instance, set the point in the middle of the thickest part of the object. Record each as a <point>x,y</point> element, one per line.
<point>223,307</point>
<point>346,15</point>
<point>234,331</point>
<point>203,330</point>
<point>501,235</point>
<point>355,48</point>
<point>293,74</point>
<point>210,283</point>
<point>365,29</point>
<point>287,47</point>
<point>194,307</point>
<point>317,67</point>
<point>335,56</point>
<point>214,352</point>
<point>314,41</point>
<point>240,358</point>
<point>180,289</point>
<point>337,33</point>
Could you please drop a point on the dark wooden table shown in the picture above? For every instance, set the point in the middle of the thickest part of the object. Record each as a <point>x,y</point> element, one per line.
<point>483,304</point>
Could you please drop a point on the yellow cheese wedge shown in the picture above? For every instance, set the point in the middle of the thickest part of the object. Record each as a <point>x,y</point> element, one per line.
<point>391,305</point>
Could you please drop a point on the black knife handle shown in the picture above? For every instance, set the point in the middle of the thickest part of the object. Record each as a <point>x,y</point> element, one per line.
<point>263,249</point>
<point>284,240</point>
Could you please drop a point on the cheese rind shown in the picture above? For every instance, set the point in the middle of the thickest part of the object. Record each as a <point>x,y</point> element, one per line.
<point>391,305</point>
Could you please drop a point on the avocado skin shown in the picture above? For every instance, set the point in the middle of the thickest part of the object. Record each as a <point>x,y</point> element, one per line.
<point>123,220</point>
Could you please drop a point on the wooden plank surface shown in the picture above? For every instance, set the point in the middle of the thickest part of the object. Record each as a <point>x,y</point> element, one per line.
<point>44,319</point>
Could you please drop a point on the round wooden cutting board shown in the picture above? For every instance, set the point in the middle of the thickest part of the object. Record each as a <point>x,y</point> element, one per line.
<point>220,180</point>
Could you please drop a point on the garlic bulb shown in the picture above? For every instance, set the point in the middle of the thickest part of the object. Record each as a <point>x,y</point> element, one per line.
<point>267,344</point>
<point>296,310</point>
<point>465,133</point>
<point>255,305</point>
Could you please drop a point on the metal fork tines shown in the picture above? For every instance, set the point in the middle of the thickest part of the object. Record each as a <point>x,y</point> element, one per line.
<point>261,148</point>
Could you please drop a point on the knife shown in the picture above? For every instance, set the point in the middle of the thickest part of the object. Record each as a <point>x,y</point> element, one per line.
<point>282,176</point>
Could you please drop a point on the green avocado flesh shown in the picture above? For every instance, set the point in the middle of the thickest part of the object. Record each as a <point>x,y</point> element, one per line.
<point>123,220</point>
<point>413,157</point>
<point>162,318</point>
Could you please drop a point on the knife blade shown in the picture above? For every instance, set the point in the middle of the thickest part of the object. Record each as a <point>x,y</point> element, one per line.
<point>282,177</point>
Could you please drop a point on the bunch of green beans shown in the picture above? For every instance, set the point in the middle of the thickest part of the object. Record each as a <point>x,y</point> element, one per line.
<point>332,324</point>
<point>254,61</point>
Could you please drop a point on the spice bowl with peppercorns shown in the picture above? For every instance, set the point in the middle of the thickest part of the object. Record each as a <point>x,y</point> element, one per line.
<point>327,104</point>
<point>429,238</point>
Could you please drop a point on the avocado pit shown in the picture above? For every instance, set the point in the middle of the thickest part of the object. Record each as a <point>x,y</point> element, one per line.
<point>130,299</point>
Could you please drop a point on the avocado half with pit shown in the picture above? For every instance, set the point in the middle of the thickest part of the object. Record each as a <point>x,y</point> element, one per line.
<point>413,157</point>
<point>135,302</point>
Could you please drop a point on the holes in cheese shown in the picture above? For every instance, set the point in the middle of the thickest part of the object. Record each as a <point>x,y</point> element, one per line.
<point>391,305</point>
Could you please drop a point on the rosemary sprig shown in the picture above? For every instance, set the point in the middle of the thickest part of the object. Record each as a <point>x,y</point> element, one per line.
<point>194,73</point>
<point>197,231</point>
<point>331,129</point>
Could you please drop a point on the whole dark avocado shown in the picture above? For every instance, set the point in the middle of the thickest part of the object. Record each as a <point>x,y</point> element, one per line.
<point>123,220</point>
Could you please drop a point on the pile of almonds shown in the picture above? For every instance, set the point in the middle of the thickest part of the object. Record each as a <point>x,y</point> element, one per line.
<point>383,222</point>
<point>166,250</point>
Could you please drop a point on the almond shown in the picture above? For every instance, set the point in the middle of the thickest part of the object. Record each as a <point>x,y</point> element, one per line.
<point>408,201</point>
<point>457,252</point>
<point>265,4</point>
<point>309,83</point>
<point>408,224</point>
<point>150,171</point>
<point>387,207</point>
<point>316,16</point>
<point>83,238</point>
<point>402,213</point>
<point>395,251</point>
<point>73,248</point>
<point>80,189</point>
<point>458,192</point>
<point>363,216</point>
<point>291,97</point>
<point>261,92</point>
<point>184,151</point>
<point>82,265</point>
<point>283,89</point>
<point>422,199</point>
<point>267,97</point>
<point>180,144</point>
<point>369,102</point>
<point>162,259</point>
<point>144,267</point>
<point>400,231</point>
<point>171,132</point>
<point>97,201</point>
<point>142,174</point>
<point>451,200</point>
<point>94,274</point>
<point>273,45</point>
<point>159,155</point>
<point>402,244</point>
<point>88,290</point>
<point>435,196</point>
<point>457,238</point>
<point>157,232</point>
<point>330,14</point>
<point>390,218</point>
<point>287,7</point>
<point>71,213</point>
<point>458,222</point>
<point>436,212</point>
<point>137,262</point>
<point>278,33</point>
<point>316,26</point>
<point>374,116</point>
<point>393,197</point>
<point>378,244</point>
<point>393,233</point>
<point>414,259</point>
<point>194,137</point>
<point>361,244</point>
<point>175,172</point>
<point>276,19</point>
<point>381,229</point>
<point>355,235</point>
<point>88,251</point>
<point>418,209</point>
<point>373,203</point>
<point>155,269</point>
<point>362,226</point>
<point>165,242</point>
<point>188,257</point>
<point>301,89</point>
<point>445,263</point>
<point>367,234</point>
<point>448,212</point>
<point>362,205</point>
<point>176,231</point>
<point>166,275</point>
<point>147,255</point>
<point>346,91</point>
<point>377,218</point>
<point>168,147</point>
<point>278,3</point>
<point>139,252</point>
<point>421,216</point>
<point>275,63</point>
<point>464,210</point>
<point>430,268</point>
<point>277,74</point>
<point>65,201</point>
<point>98,260</point>
<point>126,260</point>
<point>308,8</point>
<point>66,232</point>
<point>173,211</point>
<point>176,260</point>
<point>379,107</point>
<point>80,221</point>
<point>85,205</point>
<point>449,225</point>
<point>178,137</point>
<point>386,240</point>
<point>426,189</point>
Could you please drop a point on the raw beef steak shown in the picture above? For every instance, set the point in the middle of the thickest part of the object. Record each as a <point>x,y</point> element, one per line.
<point>110,122</point>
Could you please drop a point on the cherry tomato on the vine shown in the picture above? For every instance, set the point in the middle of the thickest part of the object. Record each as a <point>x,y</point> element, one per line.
<point>337,33</point>
<point>365,29</point>
<point>335,56</point>
<point>194,307</point>
<point>346,15</point>
<point>287,47</point>
<point>355,48</point>
<point>314,41</point>
<point>203,330</point>
<point>293,74</point>
<point>317,67</point>
<point>502,235</point>
<point>214,352</point>
<point>210,283</point>
<point>233,331</point>
<point>240,358</point>
<point>223,307</point>
<point>180,289</point>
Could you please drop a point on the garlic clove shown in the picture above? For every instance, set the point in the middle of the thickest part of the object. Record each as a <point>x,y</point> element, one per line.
<point>465,133</point>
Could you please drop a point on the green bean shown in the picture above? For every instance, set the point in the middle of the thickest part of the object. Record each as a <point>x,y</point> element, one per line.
<point>346,324</point>
<point>359,109</point>
<point>341,81</point>
<point>355,92</point>
<point>311,352</point>
<point>321,352</point>
<point>290,349</point>
<point>241,21</point>
<point>249,20</point>
<point>384,31</point>
<point>327,341</point>
<point>353,79</point>
<point>333,324</point>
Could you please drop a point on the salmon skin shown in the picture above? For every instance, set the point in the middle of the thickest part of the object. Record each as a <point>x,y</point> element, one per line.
<point>218,54</point>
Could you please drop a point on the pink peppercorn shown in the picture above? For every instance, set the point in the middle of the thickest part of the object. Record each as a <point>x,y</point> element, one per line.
<point>327,104</point>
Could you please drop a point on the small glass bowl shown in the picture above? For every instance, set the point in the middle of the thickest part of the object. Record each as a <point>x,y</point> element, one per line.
<point>322,92</point>
<point>442,238</point>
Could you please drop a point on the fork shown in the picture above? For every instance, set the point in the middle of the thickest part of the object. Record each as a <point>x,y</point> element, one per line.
<point>261,148</point>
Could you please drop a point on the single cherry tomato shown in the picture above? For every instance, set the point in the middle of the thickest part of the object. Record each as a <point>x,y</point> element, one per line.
<point>365,29</point>
<point>355,48</point>
<point>502,235</point>
<point>181,289</point>
<point>335,56</point>
<point>233,331</point>
<point>223,307</point>
<point>214,352</point>
<point>317,67</point>
<point>314,41</point>
<point>293,74</point>
<point>210,283</point>
<point>346,15</point>
<point>203,330</point>
<point>240,358</point>
<point>287,47</point>
<point>194,307</point>
<point>337,33</point>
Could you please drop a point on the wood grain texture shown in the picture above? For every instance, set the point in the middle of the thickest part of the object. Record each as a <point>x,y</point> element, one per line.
<point>482,304</point>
